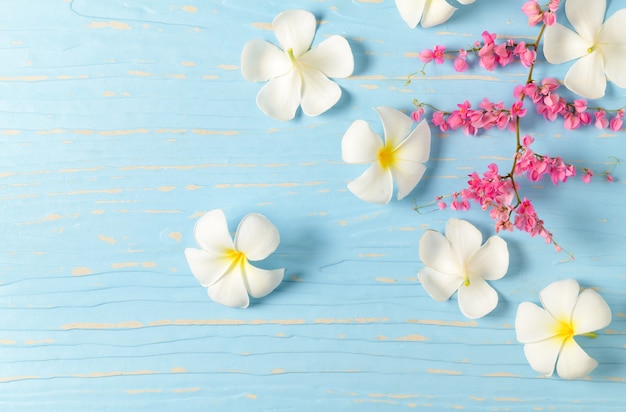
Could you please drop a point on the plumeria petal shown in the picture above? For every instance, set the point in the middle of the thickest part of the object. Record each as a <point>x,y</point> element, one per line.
<point>464,238</point>
<point>587,77</point>
<point>295,30</point>
<point>436,12</point>
<point>261,61</point>
<point>261,282</point>
<point>573,361</point>
<point>360,144</point>
<point>375,185</point>
<point>559,298</point>
<point>318,92</point>
<point>561,44</point>
<point>612,41</point>
<point>230,290</point>
<point>477,299</point>
<point>411,11</point>
<point>533,323</point>
<point>407,175</point>
<point>590,313</point>
<point>586,20</point>
<point>256,237</point>
<point>211,233</point>
<point>491,261</point>
<point>615,62</point>
<point>333,57</point>
<point>542,355</point>
<point>416,146</point>
<point>614,29</point>
<point>439,285</point>
<point>396,125</point>
<point>206,268</point>
<point>436,252</point>
<point>280,97</point>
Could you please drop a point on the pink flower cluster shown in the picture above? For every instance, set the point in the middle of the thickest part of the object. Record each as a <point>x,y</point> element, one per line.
<point>490,54</point>
<point>496,193</point>
<point>537,166</point>
<point>576,114</point>
<point>487,116</point>
<point>537,15</point>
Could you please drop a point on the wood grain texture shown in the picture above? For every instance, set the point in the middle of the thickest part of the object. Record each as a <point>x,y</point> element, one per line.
<point>121,122</point>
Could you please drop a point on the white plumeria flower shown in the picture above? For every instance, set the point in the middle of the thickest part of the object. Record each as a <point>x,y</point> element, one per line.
<point>599,48</point>
<point>428,12</point>
<point>399,158</point>
<point>458,262</point>
<point>298,75</point>
<point>548,332</point>
<point>222,265</point>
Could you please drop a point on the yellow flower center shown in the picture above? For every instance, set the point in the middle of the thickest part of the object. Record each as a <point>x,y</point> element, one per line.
<point>590,49</point>
<point>386,157</point>
<point>236,257</point>
<point>565,330</point>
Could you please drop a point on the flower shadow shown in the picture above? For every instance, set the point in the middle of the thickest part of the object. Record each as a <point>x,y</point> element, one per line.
<point>299,250</point>
<point>361,59</point>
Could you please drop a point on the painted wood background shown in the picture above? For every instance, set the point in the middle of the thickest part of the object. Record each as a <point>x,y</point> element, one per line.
<point>121,122</point>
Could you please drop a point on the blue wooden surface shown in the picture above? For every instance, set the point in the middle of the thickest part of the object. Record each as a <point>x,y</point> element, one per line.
<point>121,122</point>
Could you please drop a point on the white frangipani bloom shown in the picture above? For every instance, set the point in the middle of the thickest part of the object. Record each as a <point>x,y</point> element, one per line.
<point>399,158</point>
<point>548,332</point>
<point>458,262</point>
<point>297,74</point>
<point>428,12</point>
<point>599,48</point>
<point>222,265</point>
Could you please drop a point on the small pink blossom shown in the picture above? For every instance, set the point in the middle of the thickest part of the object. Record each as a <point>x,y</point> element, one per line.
<point>439,54</point>
<point>533,11</point>
<point>587,175</point>
<point>617,122</point>
<point>416,115</point>
<point>460,63</point>
<point>427,55</point>
<point>601,120</point>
